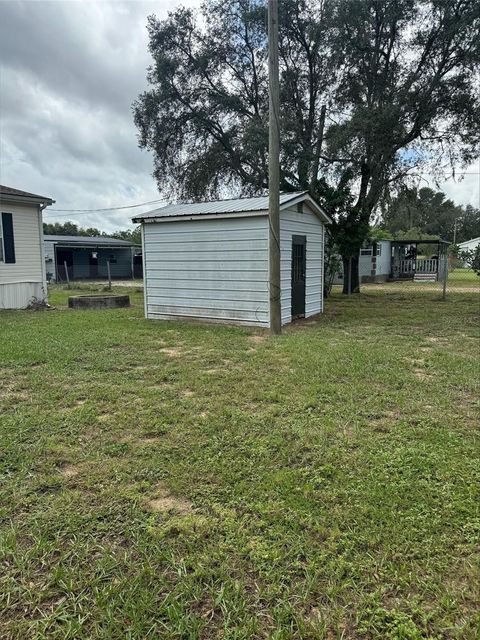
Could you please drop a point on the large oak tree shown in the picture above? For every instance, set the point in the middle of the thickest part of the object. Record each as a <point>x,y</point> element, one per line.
<point>372,91</point>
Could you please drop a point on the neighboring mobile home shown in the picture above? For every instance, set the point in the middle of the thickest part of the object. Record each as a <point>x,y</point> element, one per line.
<point>209,260</point>
<point>22,266</point>
<point>469,245</point>
<point>374,263</point>
<point>399,260</point>
<point>86,257</point>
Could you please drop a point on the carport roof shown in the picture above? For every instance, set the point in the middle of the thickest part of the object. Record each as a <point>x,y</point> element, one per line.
<point>97,241</point>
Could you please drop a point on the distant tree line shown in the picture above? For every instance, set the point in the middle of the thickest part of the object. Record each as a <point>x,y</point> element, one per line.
<point>425,212</point>
<point>71,229</point>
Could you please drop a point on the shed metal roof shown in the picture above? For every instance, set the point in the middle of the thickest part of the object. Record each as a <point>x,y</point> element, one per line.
<point>222,207</point>
<point>88,240</point>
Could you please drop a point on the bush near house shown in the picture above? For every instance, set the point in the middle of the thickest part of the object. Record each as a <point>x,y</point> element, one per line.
<point>172,480</point>
<point>472,259</point>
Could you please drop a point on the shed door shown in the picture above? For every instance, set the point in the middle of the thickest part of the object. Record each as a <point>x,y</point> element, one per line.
<point>299,263</point>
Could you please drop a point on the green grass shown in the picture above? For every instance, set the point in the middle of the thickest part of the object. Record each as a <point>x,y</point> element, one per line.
<point>178,481</point>
<point>463,277</point>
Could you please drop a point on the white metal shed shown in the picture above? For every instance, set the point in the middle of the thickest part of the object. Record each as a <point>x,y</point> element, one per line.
<point>209,260</point>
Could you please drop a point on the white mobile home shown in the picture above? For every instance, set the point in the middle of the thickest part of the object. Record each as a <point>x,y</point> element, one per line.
<point>22,265</point>
<point>469,245</point>
<point>374,263</point>
<point>209,260</point>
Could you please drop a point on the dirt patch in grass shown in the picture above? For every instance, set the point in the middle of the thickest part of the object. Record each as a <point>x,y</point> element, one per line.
<point>68,470</point>
<point>437,340</point>
<point>416,361</point>
<point>426,349</point>
<point>187,393</point>
<point>104,416</point>
<point>172,352</point>
<point>160,385</point>
<point>421,374</point>
<point>165,502</point>
<point>469,399</point>
<point>149,439</point>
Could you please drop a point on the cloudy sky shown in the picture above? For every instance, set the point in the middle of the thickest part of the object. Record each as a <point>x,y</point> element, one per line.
<point>69,72</point>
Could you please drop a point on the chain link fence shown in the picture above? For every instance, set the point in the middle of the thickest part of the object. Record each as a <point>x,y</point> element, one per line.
<point>401,268</point>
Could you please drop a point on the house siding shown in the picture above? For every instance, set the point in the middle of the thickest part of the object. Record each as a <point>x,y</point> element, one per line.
<point>365,265</point>
<point>24,279</point>
<point>216,270</point>
<point>292,222</point>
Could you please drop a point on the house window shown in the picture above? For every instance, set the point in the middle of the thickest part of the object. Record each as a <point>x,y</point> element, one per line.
<point>1,240</point>
<point>7,242</point>
<point>366,251</point>
<point>379,249</point>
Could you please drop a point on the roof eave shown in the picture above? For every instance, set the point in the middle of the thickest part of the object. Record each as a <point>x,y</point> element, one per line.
<point>202,216</point>
<point>306,197</point>
<point>5,197</point>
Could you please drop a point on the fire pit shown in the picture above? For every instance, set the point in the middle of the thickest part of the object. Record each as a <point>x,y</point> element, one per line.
<point>98,302</point>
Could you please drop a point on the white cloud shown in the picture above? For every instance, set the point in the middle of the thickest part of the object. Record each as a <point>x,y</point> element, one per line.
<point>464,190</point>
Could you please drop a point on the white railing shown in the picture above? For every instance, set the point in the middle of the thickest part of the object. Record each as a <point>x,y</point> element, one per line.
<point>425,265</point>
<point>428,265</point>
<point>407,266</point>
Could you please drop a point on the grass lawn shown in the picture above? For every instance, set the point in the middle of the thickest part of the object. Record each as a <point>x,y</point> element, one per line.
<point>170,480</point>
<point>463,277</point>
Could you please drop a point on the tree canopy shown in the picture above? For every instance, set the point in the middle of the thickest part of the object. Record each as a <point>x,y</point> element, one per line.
<point>68,229</point>
<point>71,229</point>
<point>371,93</point>
<point>432,213</point>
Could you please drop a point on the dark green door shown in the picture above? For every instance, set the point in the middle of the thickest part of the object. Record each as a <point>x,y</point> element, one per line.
<point>299,264</point>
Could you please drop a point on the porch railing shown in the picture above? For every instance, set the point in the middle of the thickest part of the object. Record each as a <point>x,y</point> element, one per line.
<point>425,265</point>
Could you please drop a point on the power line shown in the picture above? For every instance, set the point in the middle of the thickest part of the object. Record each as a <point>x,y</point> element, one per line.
<point>77,211</point>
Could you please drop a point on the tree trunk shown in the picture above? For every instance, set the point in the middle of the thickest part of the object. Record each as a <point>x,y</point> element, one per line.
<point>351,277</point>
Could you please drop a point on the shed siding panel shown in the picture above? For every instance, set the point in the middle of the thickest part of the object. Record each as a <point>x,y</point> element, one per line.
<point>292,222</point>
<point>28,265</point>
<point>209,269</point>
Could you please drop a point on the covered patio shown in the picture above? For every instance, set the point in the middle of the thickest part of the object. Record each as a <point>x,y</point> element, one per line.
<point>407,262</point>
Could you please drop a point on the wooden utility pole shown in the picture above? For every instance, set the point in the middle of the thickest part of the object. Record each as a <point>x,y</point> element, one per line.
<point>274,169</point>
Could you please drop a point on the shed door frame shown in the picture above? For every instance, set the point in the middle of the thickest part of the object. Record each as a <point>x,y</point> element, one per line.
<point>93,263</point>
<point>299,276</point>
